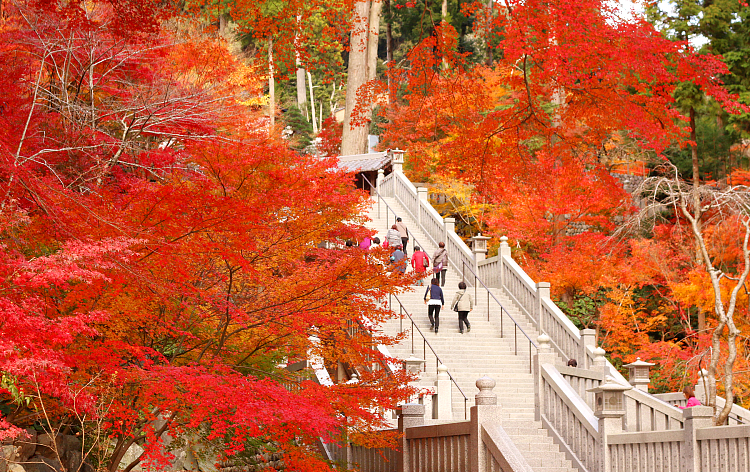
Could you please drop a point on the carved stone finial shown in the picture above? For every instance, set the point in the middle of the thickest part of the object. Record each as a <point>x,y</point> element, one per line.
<point>443,372</point>
<point>599,358</point>
<point>543,341</point>
<point>485,396</point>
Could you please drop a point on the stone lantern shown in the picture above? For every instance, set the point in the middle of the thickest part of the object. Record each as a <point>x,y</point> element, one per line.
<point>413,364</point>
<point>397,159</point>
<point>639,374</point>
<point>609,399</point>
<point>479,247</point>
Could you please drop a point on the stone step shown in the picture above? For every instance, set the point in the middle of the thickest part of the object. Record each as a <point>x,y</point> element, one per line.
<point>472,355</point>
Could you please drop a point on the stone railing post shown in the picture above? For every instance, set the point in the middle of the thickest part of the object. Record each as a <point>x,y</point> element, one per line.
<point>542,293</point>
<point>449,224</point>
<point>609,407</point>
<point>543,356</point>
<point>588,339</point>
<point>379,186</point>
<point>503,250</point>
<point>695,418</point>
<point>600,362</point>
<point>397,160</point>
<point>422,196</point>
<point>409,416</point>
<point>485,411</point>
<point>444,407</point>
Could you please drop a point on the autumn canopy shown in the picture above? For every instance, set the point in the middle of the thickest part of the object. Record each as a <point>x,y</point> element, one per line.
<point>167,257</point>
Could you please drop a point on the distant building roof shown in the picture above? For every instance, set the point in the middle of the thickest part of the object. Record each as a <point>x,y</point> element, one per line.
<point>364,162</point>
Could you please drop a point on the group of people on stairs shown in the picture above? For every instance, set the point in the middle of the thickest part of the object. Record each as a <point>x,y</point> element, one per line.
<point>462,303</point>
<point>397,238</point>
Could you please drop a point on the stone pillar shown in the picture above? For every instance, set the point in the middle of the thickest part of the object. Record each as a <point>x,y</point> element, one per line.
<point>543,356</point>
<point>422,196</point>
<point>695,418</point>
<point>609,407</point>
<point>588,339</point>
<point>444,408</point>
<point>504,250</point>
<point>397,160</point>
<point>449,224</point>
<point>409,416</point>
<point>542,292</point>
<point>485,411</point>
<point>379,186</point>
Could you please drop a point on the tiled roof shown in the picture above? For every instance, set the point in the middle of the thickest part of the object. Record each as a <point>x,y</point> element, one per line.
<point>364,162</point>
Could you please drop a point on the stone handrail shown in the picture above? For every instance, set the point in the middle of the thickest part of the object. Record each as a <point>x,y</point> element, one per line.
<point>436,228</point>
<point>569,419</point>
<point>565,337</point>
<point>489,271</point>
<point>580,380</point>
<point>724,448</point>
<point>518,285</point>
<point>500,453</point>
<point>646,452</point>
<point>737,415</point>
<point>645,412</point>
<point>432,447</point>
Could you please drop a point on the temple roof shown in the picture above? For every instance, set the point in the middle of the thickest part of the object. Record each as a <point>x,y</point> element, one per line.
<point>364,162</point>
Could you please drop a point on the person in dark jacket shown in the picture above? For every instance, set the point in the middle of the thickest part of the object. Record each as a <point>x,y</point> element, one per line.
<point>434,302</point>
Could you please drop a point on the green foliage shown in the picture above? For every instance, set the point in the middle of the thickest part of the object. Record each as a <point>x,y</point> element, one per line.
<point>302,129</point>
<point>714,155</point>
<point>583,309</point>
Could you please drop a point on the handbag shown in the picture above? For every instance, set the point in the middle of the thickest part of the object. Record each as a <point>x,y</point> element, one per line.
<point>455,307</point>
<point>438,268</point>
<point>425,262</point>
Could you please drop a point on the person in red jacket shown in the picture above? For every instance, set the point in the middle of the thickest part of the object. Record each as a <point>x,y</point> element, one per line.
<point>420,262</point>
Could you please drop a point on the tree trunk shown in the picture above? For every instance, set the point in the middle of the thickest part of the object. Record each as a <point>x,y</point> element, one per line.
<point>696,203</point>
<point>354,138</point>
<point>271,85</point>
<point>490,57</point>
<point>372,40</point>
<point>312,104</point>
<point>389,46</point>
<point>301,87</point>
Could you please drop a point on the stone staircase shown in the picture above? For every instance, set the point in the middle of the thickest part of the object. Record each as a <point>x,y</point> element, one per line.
<point>474,354</point>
